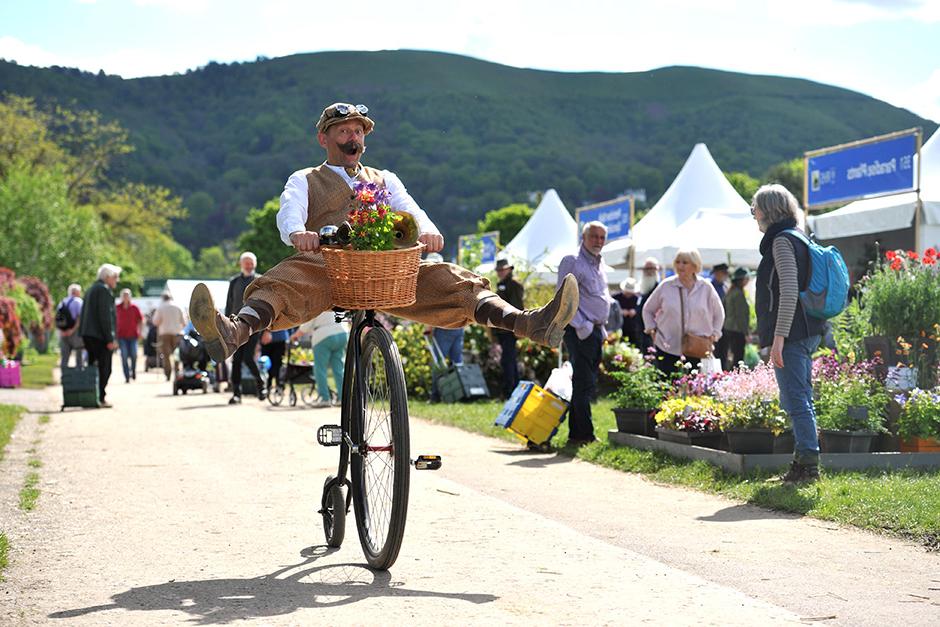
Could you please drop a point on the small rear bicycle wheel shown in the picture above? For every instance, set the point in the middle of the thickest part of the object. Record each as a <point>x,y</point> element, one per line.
<point>334,514</point>
<point>380,469</point>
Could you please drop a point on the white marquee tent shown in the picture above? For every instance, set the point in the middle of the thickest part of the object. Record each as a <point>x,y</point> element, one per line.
<point>549,235</point>
<point>882,216</point>
<point>700,209</point>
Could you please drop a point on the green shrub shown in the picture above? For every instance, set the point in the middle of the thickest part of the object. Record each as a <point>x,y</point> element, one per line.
<point>835,396</point>
<point>920,414</point>
<point>641,388</point>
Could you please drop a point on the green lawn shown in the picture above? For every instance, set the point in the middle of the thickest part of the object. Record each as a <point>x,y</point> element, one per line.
<point>37,369</point>
<point>904,503</point>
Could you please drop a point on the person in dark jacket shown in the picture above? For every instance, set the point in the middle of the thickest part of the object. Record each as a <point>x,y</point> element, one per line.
<point>629,302</point>
<point>511,291</point>
<point>730,348</point>
<point>782,324</point>
<point>246,352</point>
<point>99,325</point>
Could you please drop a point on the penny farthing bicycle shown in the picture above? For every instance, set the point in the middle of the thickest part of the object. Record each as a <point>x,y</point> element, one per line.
<point>372,436</point>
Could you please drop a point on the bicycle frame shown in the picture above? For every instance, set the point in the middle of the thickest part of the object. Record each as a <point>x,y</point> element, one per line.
<point>362,320</point>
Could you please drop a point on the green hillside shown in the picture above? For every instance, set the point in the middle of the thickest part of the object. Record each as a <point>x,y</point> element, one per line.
<point>466,136</point>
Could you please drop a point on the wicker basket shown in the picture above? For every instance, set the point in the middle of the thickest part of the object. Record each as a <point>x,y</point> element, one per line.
<point>367,279</point>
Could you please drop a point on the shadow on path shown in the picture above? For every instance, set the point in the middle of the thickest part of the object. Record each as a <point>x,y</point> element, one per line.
<point>220,601</point>
<point>740,513</point>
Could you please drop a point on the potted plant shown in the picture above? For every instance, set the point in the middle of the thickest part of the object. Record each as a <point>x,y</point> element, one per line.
<point>640,391</point>
<point>754,419</point>
<point>901,297</point>
<point>919,421</point>
<point>691,420</point>
<point>850,412</point>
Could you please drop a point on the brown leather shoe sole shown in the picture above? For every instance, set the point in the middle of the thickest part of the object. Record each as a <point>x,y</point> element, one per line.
<point>202,313</point>
<point>567,307</point>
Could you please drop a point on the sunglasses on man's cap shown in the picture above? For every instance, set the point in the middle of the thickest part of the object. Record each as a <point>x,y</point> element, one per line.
<point>342,110</point>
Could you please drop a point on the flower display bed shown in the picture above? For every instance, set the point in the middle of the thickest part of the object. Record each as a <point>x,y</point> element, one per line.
<point>690,438</point>
<point>746,463</point>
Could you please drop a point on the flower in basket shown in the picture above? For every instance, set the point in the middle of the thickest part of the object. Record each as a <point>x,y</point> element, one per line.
<point>920,414</point>
<point>751,398</point>
<point>373,225</point>
<point>620,356</point>
<point>699,414</point>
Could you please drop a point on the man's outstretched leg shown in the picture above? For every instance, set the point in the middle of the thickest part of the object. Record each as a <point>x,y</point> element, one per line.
<point>545,325</point>
<point>224,335</point>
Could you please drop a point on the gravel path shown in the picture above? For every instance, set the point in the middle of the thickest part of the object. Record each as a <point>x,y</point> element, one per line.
<point>182,510</point>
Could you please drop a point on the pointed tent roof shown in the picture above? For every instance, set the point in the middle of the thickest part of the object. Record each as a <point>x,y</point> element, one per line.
<point>550,234</point>
<point>700,209</point>
<point>888,213</point>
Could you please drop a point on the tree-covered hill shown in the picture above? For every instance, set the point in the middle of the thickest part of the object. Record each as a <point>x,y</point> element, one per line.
<point>466,136</point>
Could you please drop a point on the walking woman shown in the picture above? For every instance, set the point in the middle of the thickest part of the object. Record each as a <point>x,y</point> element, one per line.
<point>783,325</point>
<point>685,304</point>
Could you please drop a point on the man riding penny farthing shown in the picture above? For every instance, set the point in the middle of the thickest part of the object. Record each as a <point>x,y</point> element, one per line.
<point>374,430</point>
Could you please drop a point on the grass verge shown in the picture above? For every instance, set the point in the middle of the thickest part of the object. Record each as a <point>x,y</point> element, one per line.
<point>30,493</point>
<point>904,503</point>
<point>9,416</point>
<point>37,371</point>
<point>4,554</point>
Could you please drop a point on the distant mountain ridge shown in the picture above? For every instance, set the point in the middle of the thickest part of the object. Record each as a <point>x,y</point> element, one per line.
<point>465,135</point>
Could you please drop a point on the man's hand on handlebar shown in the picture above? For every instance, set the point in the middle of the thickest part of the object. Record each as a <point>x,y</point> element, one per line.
<point>305,241</point>
<point>433,242</point>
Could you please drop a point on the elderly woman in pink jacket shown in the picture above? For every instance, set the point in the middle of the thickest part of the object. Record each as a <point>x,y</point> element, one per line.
<point>683,303</point>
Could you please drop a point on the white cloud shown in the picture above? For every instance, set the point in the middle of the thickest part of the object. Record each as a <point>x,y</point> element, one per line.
<point>923,98</point>
<point>23,53</point>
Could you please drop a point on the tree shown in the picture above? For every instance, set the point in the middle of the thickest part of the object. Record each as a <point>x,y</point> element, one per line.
<point>789,174</point>
<point>263,238</point>
<point>43,234</point>
<point>214,263</point>
<point>508,220</point>
<point>743,183</point>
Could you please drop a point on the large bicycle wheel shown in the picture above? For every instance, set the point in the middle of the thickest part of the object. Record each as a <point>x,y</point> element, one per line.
<point>380,469</point>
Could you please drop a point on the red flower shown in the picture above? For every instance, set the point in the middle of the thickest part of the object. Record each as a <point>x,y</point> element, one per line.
<point>930,252</point>
<point>911,255</point>
<point>930,261</point>
<point>896,264</point>
<point>891,255</point>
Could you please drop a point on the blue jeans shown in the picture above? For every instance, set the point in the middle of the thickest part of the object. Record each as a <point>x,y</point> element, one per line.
<point>329,352</point>
<point>450,341</point>
<point>128,347</point>
<point>795,381</point>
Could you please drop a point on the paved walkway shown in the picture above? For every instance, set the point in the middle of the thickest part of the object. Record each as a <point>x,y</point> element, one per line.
<point>181,510</point>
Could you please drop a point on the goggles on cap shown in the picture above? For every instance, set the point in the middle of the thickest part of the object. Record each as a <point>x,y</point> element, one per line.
<point>342,110</point>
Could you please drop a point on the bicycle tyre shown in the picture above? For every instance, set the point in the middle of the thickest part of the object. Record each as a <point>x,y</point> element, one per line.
<point>380,474</point>
<point>334,515</point>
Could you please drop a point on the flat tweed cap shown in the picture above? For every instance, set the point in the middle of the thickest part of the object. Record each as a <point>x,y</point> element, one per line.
<point>339,112</point>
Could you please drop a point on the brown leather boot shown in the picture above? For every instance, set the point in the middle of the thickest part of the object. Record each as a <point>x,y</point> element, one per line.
<point>546,325</point>
<point>222,335</point>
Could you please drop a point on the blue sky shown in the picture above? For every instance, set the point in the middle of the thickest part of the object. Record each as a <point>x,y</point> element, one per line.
<point>889,49</point>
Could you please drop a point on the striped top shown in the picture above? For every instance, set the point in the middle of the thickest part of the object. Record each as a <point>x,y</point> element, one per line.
<point>788,277</point>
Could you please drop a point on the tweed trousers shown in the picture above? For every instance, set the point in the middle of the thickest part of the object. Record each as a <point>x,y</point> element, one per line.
<point>298,290</point>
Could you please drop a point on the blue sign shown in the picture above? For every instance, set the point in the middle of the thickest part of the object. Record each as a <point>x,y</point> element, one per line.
<point>490,243</point>
<point>871,169</point>
<point>614,214</point>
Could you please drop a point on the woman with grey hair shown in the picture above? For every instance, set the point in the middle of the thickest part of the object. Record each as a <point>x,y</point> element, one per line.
<point>782,324</point>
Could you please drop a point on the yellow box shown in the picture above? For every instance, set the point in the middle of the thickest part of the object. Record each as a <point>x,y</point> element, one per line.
<point>532,413</point>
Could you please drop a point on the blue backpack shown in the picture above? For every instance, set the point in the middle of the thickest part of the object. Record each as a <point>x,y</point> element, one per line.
<point>827,290</point>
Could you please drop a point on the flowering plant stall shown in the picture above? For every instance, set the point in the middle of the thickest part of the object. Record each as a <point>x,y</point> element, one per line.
<point>919,422</point>
<point>691,420</point>
<point>901,297</point>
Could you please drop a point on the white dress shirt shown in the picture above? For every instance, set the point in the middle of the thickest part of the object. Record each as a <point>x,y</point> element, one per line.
<point>292,216</point>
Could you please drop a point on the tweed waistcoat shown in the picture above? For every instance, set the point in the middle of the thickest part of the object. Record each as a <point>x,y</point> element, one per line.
<point>329,198</point>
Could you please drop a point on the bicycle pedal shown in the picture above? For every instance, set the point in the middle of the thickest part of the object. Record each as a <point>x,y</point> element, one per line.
<point>330,435</point>
<point>427,462</point>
